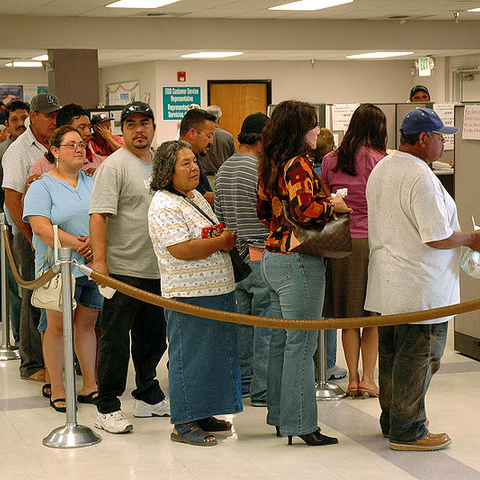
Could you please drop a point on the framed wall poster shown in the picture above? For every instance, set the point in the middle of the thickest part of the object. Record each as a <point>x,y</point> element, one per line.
<point>122,93</point>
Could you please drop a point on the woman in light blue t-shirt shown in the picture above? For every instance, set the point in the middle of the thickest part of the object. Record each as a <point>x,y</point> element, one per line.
<point>62,197</point>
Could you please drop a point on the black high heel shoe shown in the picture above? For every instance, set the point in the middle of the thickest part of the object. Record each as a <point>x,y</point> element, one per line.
<point>277,428</point>
<point>315,438</point>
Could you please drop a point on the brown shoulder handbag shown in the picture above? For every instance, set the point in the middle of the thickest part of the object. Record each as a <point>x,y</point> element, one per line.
<point>332,240</point>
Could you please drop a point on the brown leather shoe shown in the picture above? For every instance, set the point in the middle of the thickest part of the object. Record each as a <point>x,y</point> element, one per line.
<point>431,441</point>
<point>38,376</point>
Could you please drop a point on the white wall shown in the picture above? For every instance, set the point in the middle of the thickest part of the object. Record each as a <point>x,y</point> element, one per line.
<point>23,76</point>
<point>327,82</point>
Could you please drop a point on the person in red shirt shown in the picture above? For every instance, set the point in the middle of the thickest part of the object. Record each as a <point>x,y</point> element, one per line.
<point>103,142</point>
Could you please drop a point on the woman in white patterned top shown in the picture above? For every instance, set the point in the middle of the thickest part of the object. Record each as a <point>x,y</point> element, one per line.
<point>204,374</point>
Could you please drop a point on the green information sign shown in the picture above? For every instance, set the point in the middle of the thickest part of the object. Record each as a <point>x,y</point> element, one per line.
<point>177,99</point>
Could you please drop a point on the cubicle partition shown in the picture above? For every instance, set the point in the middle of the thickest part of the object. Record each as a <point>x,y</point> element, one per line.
<point>467,181</point>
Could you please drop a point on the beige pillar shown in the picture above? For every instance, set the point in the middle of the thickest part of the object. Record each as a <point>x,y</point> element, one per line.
<point>74,76</point>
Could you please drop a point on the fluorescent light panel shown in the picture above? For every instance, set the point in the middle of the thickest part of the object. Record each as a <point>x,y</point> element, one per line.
<point>380,55</point>
<point>212,54</point>
<point>310,5</point>
<point>474,10</point>
<point>24,64</point>
<point>41,58</point>
<point>141,3</point>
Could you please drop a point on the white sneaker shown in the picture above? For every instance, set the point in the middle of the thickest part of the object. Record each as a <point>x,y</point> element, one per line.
<point>335,373</point>
<point>114,422</point>
<point>160,409</point>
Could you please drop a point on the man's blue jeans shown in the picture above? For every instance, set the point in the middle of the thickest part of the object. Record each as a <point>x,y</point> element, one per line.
<point>409,355</point>
<point>253,298</point>
<point>297,286</point>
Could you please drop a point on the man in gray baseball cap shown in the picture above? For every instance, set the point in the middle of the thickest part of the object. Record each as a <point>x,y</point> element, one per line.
<point>17,162</point>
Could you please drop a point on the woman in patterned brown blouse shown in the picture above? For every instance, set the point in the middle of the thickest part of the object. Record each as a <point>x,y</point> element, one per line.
<point>296,281</point>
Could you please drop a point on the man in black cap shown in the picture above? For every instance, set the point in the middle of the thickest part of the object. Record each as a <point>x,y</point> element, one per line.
<point>419,93</point>
<point>103,142</point>
<point>17,162</point>
<point>236,205</point>
<point>122,248</point>
<point>415,239</point>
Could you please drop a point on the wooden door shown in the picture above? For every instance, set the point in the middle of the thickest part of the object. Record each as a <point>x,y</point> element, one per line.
<point>238,99</point>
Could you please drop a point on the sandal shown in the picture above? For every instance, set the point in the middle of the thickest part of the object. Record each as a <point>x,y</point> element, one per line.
<point>192,434</point>
<point>61,409</point>
<point>45,387</point>
<point>90,398</point>
<point>213,424</point>
<point>38,376</point>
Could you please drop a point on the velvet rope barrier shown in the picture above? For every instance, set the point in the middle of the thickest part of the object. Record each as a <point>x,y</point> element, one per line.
<point>320,324</point>
<point>31,285</point>
<point>295,324</point>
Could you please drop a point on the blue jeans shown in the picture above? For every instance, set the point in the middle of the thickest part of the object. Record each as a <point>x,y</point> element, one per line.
<point>204,376</point>
<point>253,298</point>
<point>297,286</point>
<point>409,355</point>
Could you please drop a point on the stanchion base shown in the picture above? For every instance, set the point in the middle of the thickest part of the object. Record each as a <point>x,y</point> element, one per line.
<point>329,391</point>
<point>9,353</point>
<point>71,436</point>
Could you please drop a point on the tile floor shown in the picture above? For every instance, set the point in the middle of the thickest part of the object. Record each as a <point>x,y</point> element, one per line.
<point>251,451</point>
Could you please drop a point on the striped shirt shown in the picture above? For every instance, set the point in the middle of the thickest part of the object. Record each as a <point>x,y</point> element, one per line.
<point>301,188</point>
<point>236,185</point>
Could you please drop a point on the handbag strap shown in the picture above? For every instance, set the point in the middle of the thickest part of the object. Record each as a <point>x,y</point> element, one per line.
<point>193,204</point>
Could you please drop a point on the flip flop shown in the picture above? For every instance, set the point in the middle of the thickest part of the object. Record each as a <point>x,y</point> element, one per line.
<point>90,398</point>
<point>38,376</point>
<point>45,387</point>
<point>58,408</point>
<point>213,424</point>
<point>192,434</point>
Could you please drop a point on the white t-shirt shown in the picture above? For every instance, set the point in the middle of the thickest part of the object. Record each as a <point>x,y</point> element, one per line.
<point>408,207</point>
<point>173,220</point>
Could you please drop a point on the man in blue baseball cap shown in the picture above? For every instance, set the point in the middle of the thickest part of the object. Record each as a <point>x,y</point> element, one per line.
<point>415,240</point>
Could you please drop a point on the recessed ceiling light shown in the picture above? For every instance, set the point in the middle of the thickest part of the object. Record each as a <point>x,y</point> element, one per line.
<point>41,58</point>
<point>24,64</point>
<point>380,55</point>
<point>212,54</point>
<point>310,5</point>
<point>474,10</point>
<point>141,3</point>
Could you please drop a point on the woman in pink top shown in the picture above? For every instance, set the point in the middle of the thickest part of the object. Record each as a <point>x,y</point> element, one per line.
<point>362,147</point>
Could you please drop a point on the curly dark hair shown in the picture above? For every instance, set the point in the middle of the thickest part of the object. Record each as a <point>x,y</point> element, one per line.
<point>283,138</point>
<point>164,163</point>
<point>368,126</point>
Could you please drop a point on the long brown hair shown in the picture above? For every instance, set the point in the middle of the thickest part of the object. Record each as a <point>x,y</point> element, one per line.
<point>368,126</point>
<point>283,138</point>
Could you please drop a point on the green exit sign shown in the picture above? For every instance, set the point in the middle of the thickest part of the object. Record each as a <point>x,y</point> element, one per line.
<point>424,67</point>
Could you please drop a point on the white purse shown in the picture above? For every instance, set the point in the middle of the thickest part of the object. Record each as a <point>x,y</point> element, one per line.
<point>49,296</point>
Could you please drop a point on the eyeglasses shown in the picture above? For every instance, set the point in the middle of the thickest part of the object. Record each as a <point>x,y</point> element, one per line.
<point>74,145</point>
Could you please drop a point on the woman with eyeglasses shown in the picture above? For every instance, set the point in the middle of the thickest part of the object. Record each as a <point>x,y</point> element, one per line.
<point>62,197</point>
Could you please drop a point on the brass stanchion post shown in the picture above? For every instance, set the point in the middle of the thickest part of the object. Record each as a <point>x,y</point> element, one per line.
<point>7,351</point>
<point>71,435</point>
<point>325,390</point>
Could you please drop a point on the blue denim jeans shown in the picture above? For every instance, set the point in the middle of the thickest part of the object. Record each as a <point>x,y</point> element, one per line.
<point>253,298</point>
<point>409,355</point>
<point>204,376</point>
<point>297,286</point>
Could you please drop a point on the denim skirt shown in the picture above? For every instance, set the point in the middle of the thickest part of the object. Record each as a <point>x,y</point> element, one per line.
<point>204,374</point>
